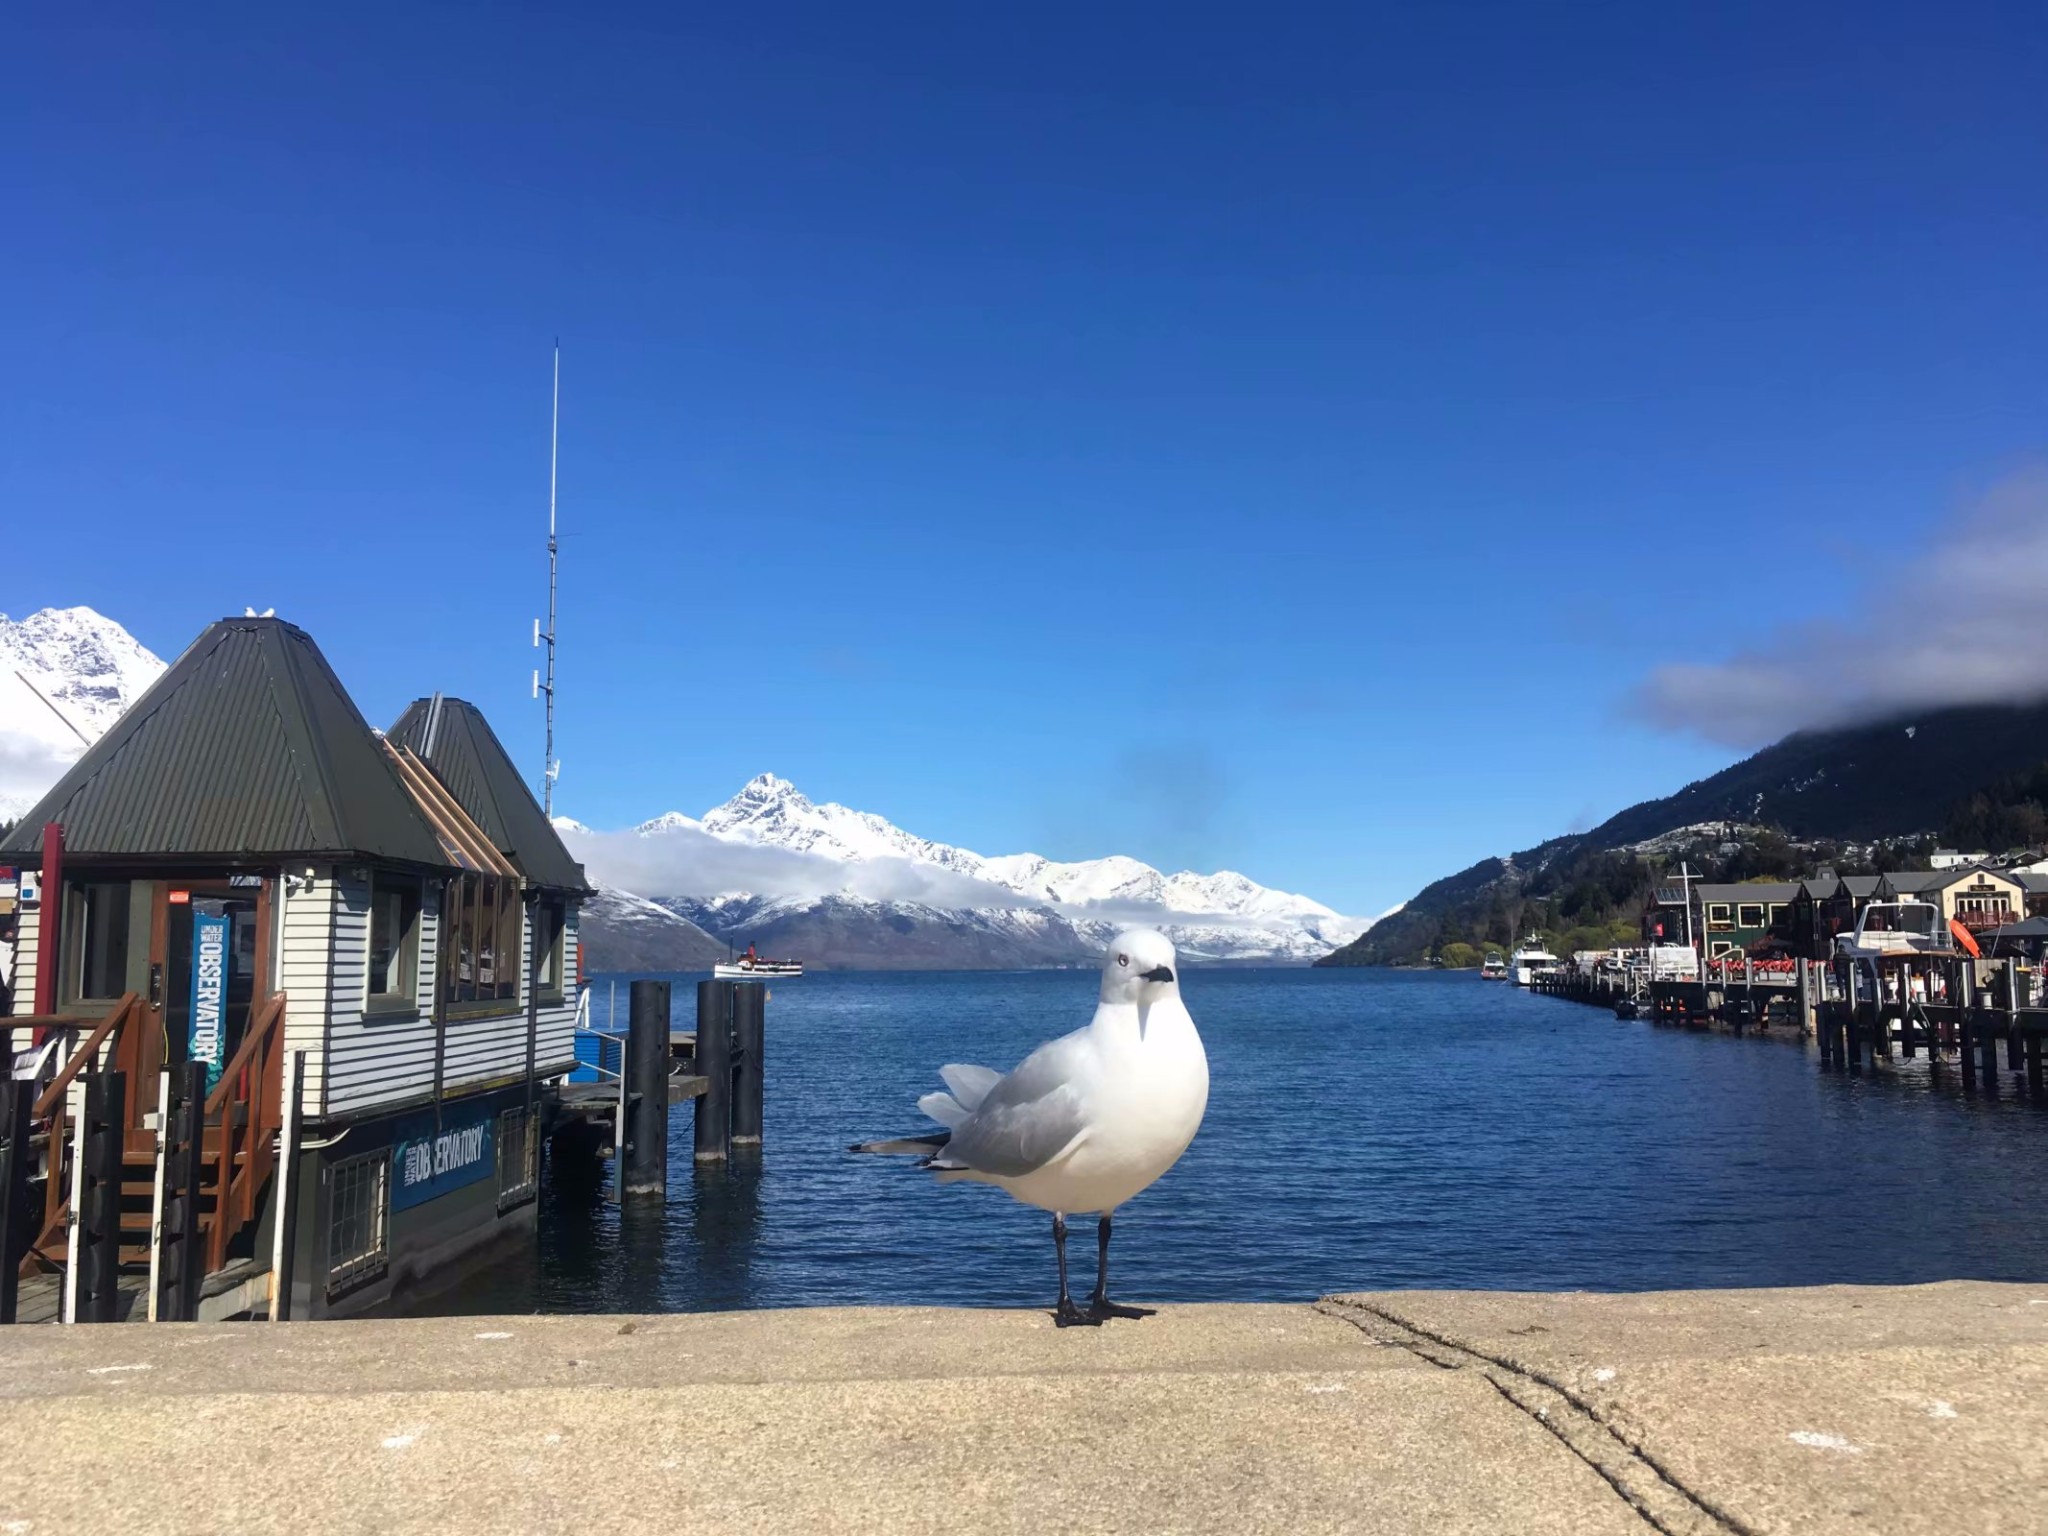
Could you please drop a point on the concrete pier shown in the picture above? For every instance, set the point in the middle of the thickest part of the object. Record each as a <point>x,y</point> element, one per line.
<point>1836,1409</point>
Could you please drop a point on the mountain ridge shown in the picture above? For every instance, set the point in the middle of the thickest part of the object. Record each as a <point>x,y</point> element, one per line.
<point>869,879</point>
<point>1896,778</point>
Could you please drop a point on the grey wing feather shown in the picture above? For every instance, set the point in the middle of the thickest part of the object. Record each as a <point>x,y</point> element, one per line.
<point>1027,1118</point>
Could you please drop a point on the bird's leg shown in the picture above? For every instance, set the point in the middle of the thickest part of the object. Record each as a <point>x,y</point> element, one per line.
<point>1100,1306</point>
<point>1066,1314</point>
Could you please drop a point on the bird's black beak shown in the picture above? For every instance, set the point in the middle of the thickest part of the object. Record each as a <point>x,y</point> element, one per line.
<point>1157,973</point>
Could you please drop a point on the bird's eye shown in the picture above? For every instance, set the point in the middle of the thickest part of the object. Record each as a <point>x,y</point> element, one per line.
<point>1123,959</point>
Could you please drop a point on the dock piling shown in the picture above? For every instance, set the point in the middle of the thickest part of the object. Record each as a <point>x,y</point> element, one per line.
<point>96,1248</point>
<point>714,1065</point>
<point>16,1153</point>
<point>643,1160</point>
<point>748,1028</point>
<point>180,1265</point>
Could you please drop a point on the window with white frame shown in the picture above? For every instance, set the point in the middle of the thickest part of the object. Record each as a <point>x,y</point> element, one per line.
<point>394,943</point>
<point>1750,914</point>
<point>549,931</point>
<point>358,1219</point>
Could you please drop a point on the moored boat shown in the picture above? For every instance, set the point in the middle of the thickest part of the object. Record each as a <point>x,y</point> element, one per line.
<point>1530,961</point>
<point>1493,968</point>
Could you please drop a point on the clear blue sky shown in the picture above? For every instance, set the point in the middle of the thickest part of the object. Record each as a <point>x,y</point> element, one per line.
<point>1253,435</point>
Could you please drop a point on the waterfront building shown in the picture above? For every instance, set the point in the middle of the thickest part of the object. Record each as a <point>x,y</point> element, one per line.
<point>1734,919</point>
<point>246,876</point>
<point>2033,885</point>
<point>1975,896</point>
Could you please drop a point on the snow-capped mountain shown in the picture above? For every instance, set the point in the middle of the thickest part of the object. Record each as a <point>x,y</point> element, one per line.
<point>832,881</point>
<point>631,933</point>
<point>66,674</point>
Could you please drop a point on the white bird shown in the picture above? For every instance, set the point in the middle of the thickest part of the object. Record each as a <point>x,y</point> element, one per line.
<point>1085,1121</point>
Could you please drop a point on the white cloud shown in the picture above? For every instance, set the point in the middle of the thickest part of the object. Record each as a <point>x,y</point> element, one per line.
<point>1962,620</point>
<point>28,768</point>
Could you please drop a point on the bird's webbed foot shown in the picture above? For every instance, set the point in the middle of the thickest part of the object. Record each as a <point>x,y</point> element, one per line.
<point>1101,1309</point>
<point>1067,1315</point>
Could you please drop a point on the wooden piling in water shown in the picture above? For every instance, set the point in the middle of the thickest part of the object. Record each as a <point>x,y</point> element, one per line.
<point>713,1142</point>
<point>749,1015</point>
<point>643,1160</point>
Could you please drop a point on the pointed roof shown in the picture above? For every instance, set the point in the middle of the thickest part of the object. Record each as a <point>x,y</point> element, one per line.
<point>246,750</point>
<point>468,758</point>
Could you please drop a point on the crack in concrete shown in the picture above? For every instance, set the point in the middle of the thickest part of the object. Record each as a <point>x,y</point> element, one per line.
<point>1663,1502</point>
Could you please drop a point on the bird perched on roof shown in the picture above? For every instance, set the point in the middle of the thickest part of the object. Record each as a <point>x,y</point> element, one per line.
<point>1086,1121</point>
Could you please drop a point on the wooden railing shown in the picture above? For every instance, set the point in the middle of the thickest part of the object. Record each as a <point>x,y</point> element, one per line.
<point>247,1106</point>
<point>51,1103</point>
<point>244,1113</point>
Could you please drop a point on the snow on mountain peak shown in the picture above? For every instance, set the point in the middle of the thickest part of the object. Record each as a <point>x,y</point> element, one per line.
<point>79,660</point>
<point>771,812</point>
<point>66,674</point>
<point>667,821</point>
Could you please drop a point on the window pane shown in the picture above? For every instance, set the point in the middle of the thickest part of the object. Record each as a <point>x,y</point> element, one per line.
<point>487,941</point>
<point>465,939</point>
<point>103,939</point>
<point>394,926</point>
<point>548,936</point>
<point>510,914</point>
<point>387,939</point>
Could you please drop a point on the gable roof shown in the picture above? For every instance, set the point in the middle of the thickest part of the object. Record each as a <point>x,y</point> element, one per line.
<point>1911,882</point>
<point>247,749</point>
<point>468,758</point>
<point>1942,879</point>
<point>1761,890</point>
<point>1860,887</point>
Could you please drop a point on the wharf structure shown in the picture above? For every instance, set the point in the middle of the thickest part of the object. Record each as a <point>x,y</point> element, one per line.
<point>1949,961</point>
<point>287,997</point>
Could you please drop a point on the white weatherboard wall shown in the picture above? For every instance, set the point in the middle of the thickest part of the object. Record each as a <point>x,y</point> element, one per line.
<point>305,976</point>
<point>25,931</point>
<point>372,1062</point>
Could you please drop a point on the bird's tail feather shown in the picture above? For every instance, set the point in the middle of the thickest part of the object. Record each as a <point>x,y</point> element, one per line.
<point>969,1085</point>
<point>921,1146</point>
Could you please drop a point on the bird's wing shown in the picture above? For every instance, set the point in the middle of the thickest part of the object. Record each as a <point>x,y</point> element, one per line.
<point>1028,1117</point>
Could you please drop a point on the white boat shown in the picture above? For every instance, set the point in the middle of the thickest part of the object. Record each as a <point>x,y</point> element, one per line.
<point>753,967</point>
<point>1895,928</point>
<point>1530,961</point>
<point>1494,968</point>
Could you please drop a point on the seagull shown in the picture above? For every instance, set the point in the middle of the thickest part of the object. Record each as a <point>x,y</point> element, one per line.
<point>1085,1121</point>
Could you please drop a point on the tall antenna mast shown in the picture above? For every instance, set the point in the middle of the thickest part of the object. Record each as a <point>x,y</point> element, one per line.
<point>550,769</point>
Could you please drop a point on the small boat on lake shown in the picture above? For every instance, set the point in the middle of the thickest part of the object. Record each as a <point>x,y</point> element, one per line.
<point>1493,968</point>
<point>753,967</point>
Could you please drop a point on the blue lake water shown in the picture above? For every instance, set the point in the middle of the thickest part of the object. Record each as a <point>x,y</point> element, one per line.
<point>1366,1130</point>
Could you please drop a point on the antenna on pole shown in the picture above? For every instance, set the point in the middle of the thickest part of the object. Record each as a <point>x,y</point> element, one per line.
<point>550,769</point>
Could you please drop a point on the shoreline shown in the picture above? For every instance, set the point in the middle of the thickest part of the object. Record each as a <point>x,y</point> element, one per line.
<point>1837,1408</point>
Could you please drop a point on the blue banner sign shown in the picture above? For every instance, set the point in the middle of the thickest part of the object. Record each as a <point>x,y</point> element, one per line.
<point>428,1163</point>
<point>208,1033</point>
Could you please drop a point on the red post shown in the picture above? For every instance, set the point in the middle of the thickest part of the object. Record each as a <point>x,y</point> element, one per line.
<point>49,919</point>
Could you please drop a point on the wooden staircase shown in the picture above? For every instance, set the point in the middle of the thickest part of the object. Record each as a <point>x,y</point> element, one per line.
<point>238,1151</point>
